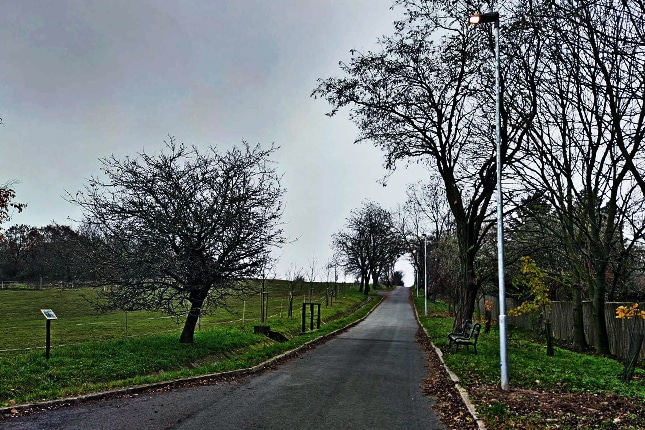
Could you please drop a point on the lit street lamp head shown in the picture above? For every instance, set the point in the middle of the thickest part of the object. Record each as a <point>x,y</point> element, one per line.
<point>481,18</point>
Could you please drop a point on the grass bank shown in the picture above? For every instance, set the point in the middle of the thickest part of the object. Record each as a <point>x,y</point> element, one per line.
<point>91,363</point>
<point>532,371</point>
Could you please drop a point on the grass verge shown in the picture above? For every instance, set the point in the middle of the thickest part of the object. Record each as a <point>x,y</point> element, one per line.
<point>567,375</point>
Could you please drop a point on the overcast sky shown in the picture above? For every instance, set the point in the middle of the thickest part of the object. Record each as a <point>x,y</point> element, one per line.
<point>80,80</point>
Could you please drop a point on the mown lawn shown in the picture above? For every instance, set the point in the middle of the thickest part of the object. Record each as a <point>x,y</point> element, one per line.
<point>23,325</point>
<point>91,352</point>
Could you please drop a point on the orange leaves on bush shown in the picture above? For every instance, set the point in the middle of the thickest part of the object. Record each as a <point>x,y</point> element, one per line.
<point>624,312</point>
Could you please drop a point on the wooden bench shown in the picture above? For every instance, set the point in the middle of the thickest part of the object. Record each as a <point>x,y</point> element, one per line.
<point>468,337</point>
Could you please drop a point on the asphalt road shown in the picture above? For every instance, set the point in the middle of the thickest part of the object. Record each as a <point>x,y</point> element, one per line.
<point>369,377</point>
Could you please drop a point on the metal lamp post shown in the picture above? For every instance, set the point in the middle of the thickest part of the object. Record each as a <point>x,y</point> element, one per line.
<point>416,271</point>
<point>425,273</point>
<point>493,17</point>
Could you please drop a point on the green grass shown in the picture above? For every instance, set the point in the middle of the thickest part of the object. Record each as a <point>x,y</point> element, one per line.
<point>97,356</point>
<point>86,367</point>
<point>78,321</point>
<point>529,366</point>
<point>23,325</point>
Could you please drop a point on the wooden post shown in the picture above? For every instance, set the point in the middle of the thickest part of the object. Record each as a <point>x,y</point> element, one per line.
<point>49,315</point>
<point>243,313</point>
<point>318,315</point>
<point>290,313</point>
<point>266,306</point>
<point>311,309</point>
<point>48,341</point>
<point>304,316</point>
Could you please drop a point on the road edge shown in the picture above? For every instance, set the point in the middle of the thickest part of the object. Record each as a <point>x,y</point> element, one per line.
<point>462,391</point>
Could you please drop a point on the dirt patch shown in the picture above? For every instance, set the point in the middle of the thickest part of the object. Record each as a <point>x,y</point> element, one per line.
<point>526,409</point>
<point>549,409</point>
<point>437,384</point>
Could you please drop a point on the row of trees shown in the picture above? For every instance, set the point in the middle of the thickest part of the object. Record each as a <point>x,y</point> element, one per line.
<point>369,245</point>
<point>573,123</point>
<point>55,253</point>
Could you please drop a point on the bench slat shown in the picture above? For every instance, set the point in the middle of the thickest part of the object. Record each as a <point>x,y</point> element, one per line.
<point>465,339</point>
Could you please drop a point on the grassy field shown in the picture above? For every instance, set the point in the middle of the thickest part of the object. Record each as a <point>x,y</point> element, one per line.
<point>23,325</point>
<point>91,352</point>
<point>529,368</point>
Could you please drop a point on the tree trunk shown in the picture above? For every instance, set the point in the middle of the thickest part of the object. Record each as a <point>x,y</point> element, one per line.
<point>196,299</point>
<point>579,340</point>
<point>601,338</point>
<point>549,338</point>
<point>466,306</point>
<point>365,280</point>
<point>366,289</point>
<point>488,315</point>
<point>467,295</point>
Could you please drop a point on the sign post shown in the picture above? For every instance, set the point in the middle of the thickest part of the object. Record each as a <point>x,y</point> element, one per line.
<point>49,315</point>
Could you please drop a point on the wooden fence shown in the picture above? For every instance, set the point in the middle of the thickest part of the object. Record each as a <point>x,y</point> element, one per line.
<point>561,316</point>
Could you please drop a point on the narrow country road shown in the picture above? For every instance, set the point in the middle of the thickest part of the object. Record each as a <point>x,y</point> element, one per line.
<point>369,377</point>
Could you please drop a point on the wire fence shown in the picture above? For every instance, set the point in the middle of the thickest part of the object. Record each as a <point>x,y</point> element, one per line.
<point>119,324</point>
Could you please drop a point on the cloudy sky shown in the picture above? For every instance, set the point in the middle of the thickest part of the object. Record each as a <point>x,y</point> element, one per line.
<point>80,80</point>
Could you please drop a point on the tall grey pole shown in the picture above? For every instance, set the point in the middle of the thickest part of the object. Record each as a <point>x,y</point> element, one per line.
<point>425,272</point>
<point>493,17</point>
<point>503,350</point>
<point>416,270</point>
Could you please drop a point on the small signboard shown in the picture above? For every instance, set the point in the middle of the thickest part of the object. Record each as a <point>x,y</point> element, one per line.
<point>49,314</point>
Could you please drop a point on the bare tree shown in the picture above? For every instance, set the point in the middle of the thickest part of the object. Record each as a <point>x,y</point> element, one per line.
<point>183,229</point>
<point>586,140</point>
<point>427,94</point>
<point>426,211</point>
<point>296,278</point>
<point>350,247</point>
<point>312,274</point>
<point>370,244</point>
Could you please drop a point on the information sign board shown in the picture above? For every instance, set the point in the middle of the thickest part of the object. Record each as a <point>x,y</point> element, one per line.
<point>49,314</point>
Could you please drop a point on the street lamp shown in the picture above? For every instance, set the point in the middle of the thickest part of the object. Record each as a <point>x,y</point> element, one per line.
<point>480,18</point>
<point>425,272</point>
<point>416,270</point>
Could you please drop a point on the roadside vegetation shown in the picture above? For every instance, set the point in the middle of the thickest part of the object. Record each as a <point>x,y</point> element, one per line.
<point>91,353</point>
<point>559,382</point>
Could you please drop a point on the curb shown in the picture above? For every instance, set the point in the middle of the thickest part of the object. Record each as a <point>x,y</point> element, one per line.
<point>8,411</point>
<point>462,391</point>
